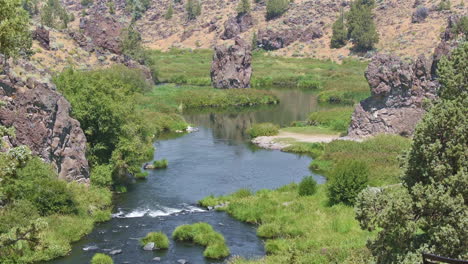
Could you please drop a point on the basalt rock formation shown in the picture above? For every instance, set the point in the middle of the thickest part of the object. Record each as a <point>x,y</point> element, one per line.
<point>42,36</point>
<point>398,90</point>
<point>41,118</point>
<point>104,31</point>
<point>236,25</point>
<point>232,66</point>
<point>273,40</point>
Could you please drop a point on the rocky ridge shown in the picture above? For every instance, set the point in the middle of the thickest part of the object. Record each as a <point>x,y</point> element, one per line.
<point>398,91</point>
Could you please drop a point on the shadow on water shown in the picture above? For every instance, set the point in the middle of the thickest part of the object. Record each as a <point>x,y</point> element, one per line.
<point>218,160</point>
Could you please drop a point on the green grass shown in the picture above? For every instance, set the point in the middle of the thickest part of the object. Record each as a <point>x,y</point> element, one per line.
<point>336,83</point>
<point>203,234</point>
<point>159,239</point>
<point>263,129</point>
<point>160,164</point>
<point>336,119</point>
<point>300,229</point>
<point>100,258</point>
<point>310,130</point>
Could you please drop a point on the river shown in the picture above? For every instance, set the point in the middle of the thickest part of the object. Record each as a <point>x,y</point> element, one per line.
<point>218,159</point>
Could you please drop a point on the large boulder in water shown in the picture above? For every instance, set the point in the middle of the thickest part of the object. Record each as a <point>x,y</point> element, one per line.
<point>232,66</point>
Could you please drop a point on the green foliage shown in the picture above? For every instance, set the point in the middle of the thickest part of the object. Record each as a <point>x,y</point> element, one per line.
<point>309,82</point>
<point>361,27</point>
<point>137,8</point>
<point>339,33</point>
<point>169,12</point>
<point>428,213</point>
<point>254,41</point>
<point>347,180</point>
<point>104,101</point>
<point>159,239</point>
<point>193,8</point>
<point>101,175</point>
<point>337,118</point>
<point>111,7</point>
<point>276,8</point>
<point>263,129</point>
<point>31,6</point>
<point>462,27</point>
<point>86,3</point>
<point>203,234</point>
<point>160,164</point>
<point>14,28</point>
<point>243,7</point>
<point>131,42</point>
<point>100,258</point>
<point>444,5</point>
<point>452,72</point>
<point>54,15</point>
<point>308,186</point>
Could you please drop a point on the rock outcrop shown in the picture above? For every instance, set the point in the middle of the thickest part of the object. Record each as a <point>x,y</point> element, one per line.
<point>398,90</point>
<point>104,31</point>
<point>272,40</point>
<point>236,25</point>
<point>232,66</point>
<point>41,118</point>
<point>42,36</point>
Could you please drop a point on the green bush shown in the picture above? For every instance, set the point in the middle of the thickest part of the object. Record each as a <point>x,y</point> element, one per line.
<point>444,5</point>
<point>100,258</point>
<point>339,33</point>
<point>159,239</point>
<point>243,7</point>
<point>193,8</point>
<point>276,8</point>
<point>52,196</point>
<point>263,129</point>
<point>361,27</point>
<point>203,234</point>
<point>101,175</point>
<point>348,179</point>
<point>160,164</point>
<point>169,12</point>
<point>141,175</point>
<point>308,186</point>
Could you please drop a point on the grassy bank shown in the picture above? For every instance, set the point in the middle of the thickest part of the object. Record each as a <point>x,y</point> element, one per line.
<point>335,83</point>
<point>379,153</point>
<point>298,229</point>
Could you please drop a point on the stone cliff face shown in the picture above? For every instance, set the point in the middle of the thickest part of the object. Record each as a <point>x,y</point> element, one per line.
<point>232,66</point>
<point>398,90</point>
<point>41,118</point>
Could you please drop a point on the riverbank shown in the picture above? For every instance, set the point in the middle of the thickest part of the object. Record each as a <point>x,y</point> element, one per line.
<point>286,139</point>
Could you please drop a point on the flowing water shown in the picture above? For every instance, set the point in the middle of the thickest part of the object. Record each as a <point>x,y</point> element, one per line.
<point>218,159</point>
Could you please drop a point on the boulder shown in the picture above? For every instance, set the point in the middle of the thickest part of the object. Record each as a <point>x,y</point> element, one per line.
<point>115,252</point>
<point>232,66</point>
<point>104,31</point>
<point>149,246</point>
<point>42,121</point>
<point>311,33</point>
<point>236,25</point>
<point>42,36</point>
<point>272,40</point>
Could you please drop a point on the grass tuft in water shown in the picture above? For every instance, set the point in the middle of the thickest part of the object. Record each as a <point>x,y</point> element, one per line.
<point>159,239</point>
<point>160,164</point>
<point>100,258</point>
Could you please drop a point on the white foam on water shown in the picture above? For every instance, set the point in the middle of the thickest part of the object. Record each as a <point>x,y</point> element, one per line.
<point>164,211</point>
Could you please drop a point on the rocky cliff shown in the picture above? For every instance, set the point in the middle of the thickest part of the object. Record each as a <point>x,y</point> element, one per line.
<point>398,90</point>
<point>41,118</point>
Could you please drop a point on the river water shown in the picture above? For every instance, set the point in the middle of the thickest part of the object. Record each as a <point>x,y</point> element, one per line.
<point>218,159</point>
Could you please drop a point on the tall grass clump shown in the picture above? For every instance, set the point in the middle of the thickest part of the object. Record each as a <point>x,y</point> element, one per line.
<point>308,186</point>
<point>263,129</point>
<point>100,258</point>
<point>159,239</point>
<point>160,164</point>
<point>203,234</point>
<point>337,118</point>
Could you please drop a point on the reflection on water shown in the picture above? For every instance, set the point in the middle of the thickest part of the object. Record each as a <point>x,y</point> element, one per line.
<point>295,105</point>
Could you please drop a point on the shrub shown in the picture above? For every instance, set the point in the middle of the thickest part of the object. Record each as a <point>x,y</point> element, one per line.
<point>361,27</point>
<point>348,179</point>
<point>100,258</point>
<point>160,164</point>
<point>308,186</point>
<point>420,14</point>
<point>263,129</point>
<point>169,12</point>
<point>444,5</point>
<point>193,8</point>
<point>276,8</point>
<point>159,239</point>
<point>101,175</point>
<point>141,175</point>
<point>203,234</point>
<point>243,7</point>
<point>339,33</point>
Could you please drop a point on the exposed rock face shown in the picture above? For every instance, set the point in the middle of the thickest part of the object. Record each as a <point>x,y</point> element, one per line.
<point>398,90</point>
<point>104,31</point>
<point>232,67</point>
<point>311,33</point>
<point>446,45</point>
<point>273,40</point>
<point>41,118</point>
<point>236,25</point>
<point>42,35</point>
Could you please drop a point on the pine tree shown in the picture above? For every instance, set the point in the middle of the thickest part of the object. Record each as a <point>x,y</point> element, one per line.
<point>276,8</point>
<point>339,36</point>
<point>243,7</point>
<point>361,27</point>
<point>193,8</point>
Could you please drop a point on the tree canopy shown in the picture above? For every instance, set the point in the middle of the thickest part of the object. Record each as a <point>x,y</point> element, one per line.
<point>14,28</point>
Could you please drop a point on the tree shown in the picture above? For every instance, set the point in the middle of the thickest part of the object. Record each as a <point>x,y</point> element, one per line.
<point>169,12</point>
<point>347,181</point>
<point>430,211</point>
<point>361,27</point>
<point>193,8</point>
<point>53,13</point>
<point>14,28</point>
<point>339,36</point>
<point>276,8</point>
<point>308,186</point>
<point>243,7</point>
